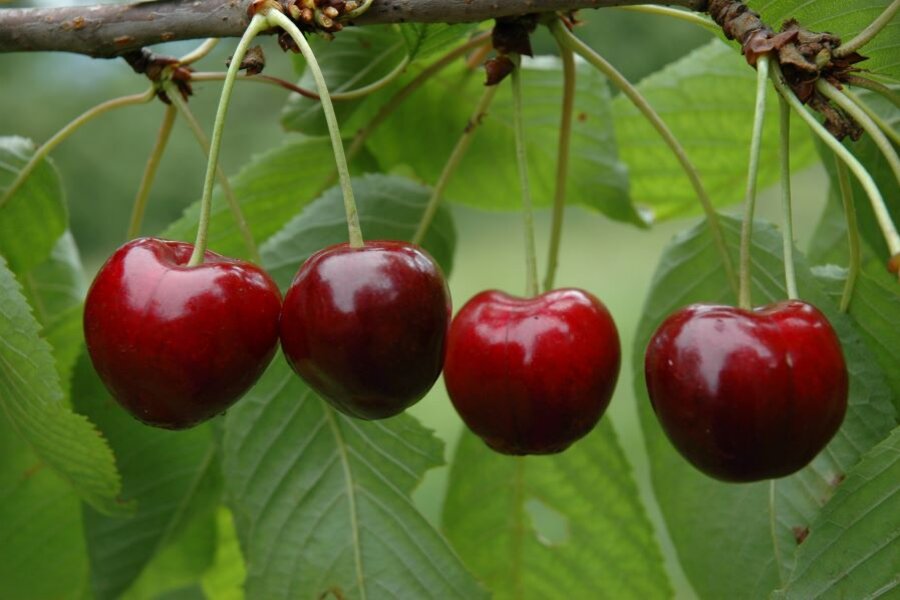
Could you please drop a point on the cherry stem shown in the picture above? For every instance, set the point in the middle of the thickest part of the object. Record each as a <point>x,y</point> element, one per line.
<point>874,86</point>
<point>267,79</point>
<point>562,163</point>
<point>531,270</point>
<point>846,190</point>
<point>230,197</point>
<point>865,178</point>
<point>683,15</point>
<point>759,116</point>
<point>143,193</point>
<point>790,276</point>
<point>568,39</point>
<point>883,125</point>
<point>70,128</point>
<point>456,156</point>
<point>276,18</point>
<point>199,52</point>
<point>864,36</point>
<point>257,24</point>
<point>358,11</point>
<point>860,116</point>
<point>336,96</point>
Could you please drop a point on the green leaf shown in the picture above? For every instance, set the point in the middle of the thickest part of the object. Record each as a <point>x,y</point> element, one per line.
<point>735,519</point>
<point>853,548</point>
<point>875,310</point>
<point>423,133</point>
<point>270,189</point>
<point>425,39</point>
<point>165,473</point>
<point>55,289</point>
<point>707,100</point>
<point>844,18</point>
<point>42,551</point>
<point>569,525</point>
<point>225,578</point>
<point>32,400</point>
<point>34,216</point>
<point>181,564</point>
<point>357,57</point>
<point>389,207</point>
<point>321,501</point>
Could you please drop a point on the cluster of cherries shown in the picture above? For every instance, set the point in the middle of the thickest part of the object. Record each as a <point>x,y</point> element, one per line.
<point>744,395</point>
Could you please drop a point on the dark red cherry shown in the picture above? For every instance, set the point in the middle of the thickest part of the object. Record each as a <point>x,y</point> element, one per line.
<point>366,327</point>
<point>532,375</point>
<point>176,345</point>
<point>747,395</point>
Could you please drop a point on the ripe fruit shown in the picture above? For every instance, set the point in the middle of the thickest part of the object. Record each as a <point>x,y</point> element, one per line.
<point>366,327</point>
<point>532,375</point>
<point>747,395</point>
<point>176,345</point>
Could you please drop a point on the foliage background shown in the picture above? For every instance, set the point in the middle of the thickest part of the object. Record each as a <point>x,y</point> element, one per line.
<point>103,163</point>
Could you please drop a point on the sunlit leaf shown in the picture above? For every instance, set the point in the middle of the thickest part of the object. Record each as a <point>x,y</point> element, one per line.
<point>32,400</point>
<point>34,217</point>
<point>707,100</point>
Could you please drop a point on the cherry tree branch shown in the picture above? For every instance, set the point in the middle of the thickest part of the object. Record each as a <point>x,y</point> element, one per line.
<point>109,30</point>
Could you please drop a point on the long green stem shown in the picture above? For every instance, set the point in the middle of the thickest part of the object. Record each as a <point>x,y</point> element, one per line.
<point>860,116</point>
<point>257,24</point>
<point>566,38</point>
<point>140,201</point>
<point>864,36</point>
<point>70,128</point>
<point>859,171</point>
<point>846,191</point>
<point>199,52</point>
<point>683,15</point>
<point>230,197</point>
<point>456,156</point>
<point>790,276</point>
<point>759,116</point>
<point>874,86</point>
<point>278,19</point>
<point>883,125</point>
<point>562,163</point>
<point>531,270</point>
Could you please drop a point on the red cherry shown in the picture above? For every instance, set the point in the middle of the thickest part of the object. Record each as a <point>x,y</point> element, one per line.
<point>532,375</point>
<point>176,345</point>
<point>366,327</point>
<point>747,395</point>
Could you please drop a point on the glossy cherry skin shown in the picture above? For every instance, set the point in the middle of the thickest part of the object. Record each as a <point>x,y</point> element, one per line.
<point>747,395</point>
<point>366,327</point>
<point>176,345</point>
<point>532,375</point>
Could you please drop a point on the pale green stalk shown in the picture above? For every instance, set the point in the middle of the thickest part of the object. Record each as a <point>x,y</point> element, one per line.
<point>257,24</point>
<point>276,18</point>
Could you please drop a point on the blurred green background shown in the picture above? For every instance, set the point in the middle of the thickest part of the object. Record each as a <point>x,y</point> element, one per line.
<point>102,165</point>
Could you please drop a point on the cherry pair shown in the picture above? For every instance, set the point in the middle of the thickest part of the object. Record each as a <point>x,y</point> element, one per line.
<point>176,345</point>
